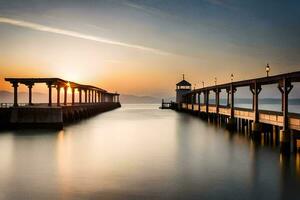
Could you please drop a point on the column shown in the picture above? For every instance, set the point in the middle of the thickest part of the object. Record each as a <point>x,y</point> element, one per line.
<point>207,100</point>
<point>99,98</point>
<point>65,95</point>
<point>93,96</point>
<point>256,126</point>
<point>285,137</point>
<point>199,105</point>
<point>228,91</point>
<point>231,122</point>
<point>192,101</point>
<point>58,95</point>
<point>50,93</point>
<point>15,85</point>
<point>255,89</point>
<point>89,96</point>
<point>80,95</point>
<point>217,91</point>
<point>232,100</point>
<point>73,96</point>
<point>85,96</point>
<point>30,93</point>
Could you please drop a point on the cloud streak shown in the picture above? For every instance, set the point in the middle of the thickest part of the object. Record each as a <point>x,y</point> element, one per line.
<point>43,28</point>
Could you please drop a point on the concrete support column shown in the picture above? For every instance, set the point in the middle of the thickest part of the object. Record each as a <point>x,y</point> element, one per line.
<point>93,96</point>
<point>256,126</point>
<point>65,95</point>
<point>80,95</point>
<point>58,95</point>
<point>73,96</point>
<point>192,101</point>
<point>30,93</point>
<point>50,94</point>
<point>228,96</point>
<point>199,95</point>
<point>285,137</point>
<point>206,97</point>
<point>15,86</point>
<point>85,96</point>
<point>231,121</point>
<point>217,91</point>
<point>232,90</point>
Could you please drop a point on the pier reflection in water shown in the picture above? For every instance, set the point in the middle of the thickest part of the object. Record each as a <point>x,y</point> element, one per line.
<point>138,152</point>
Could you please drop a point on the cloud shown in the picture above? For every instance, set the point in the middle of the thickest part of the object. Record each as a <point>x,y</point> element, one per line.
<point>74,34</point>
<point>222,3</point>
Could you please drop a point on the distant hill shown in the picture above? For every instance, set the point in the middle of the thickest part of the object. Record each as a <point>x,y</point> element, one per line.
<point>7,97</point>
<point>131,99</point>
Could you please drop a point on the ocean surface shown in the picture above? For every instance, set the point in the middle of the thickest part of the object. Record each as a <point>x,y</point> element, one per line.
<point>141,152</point>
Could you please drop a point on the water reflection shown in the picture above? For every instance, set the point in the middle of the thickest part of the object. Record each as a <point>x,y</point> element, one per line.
<point>140,152</point>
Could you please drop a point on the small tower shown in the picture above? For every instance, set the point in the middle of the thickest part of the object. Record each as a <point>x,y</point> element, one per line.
<point>182,88</point>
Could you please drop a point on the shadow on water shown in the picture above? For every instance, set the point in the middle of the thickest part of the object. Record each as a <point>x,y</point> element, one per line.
<point>272,174</point>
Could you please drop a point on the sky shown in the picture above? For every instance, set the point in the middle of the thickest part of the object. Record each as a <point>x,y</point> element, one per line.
<point>143,47</point>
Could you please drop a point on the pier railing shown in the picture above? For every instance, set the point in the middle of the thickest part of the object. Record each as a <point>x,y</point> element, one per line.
<point>284,84</point>
<point>265,116</point>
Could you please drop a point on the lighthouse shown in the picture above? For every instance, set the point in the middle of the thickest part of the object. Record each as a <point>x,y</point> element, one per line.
<point>182,88</point>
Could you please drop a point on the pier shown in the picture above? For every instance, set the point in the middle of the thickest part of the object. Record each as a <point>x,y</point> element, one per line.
<point>282,126</point>
<point>54,115</point>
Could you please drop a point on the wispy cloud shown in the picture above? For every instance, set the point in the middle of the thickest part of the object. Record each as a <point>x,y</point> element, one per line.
<point>40,27</point>
<point>222,3</point>
<point>149,9</point>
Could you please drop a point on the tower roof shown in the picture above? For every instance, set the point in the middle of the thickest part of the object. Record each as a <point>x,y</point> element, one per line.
<point>183,83</point>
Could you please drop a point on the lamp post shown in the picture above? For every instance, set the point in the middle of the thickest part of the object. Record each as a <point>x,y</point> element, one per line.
<point>215,80</point>
<point>231,77</point>
<point>202,83</point>
<point>268,69</point>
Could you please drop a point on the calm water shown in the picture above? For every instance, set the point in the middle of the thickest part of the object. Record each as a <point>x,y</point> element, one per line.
<point>140,152</point>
